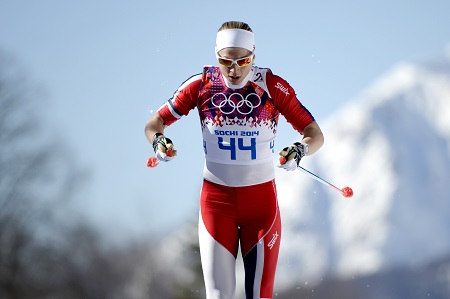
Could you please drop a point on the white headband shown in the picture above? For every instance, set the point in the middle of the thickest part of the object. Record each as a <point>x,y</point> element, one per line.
<point>235,38</point>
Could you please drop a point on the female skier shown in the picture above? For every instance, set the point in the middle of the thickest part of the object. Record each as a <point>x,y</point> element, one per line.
<point>239,105</point>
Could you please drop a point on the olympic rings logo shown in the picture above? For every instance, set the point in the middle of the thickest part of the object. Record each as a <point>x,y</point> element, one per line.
<point>244,106</point>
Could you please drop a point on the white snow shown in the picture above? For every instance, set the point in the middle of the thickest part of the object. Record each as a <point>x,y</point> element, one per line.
<point>391,145</point>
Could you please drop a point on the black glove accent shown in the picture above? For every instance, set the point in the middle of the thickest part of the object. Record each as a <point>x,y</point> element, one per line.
<point>300,150</point>
<point>158,138</point>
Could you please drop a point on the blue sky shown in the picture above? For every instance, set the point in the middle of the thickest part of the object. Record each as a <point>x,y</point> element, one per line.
<point>106,66</point>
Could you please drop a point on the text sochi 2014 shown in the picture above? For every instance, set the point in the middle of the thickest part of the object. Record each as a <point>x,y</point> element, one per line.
<point>235,133</point>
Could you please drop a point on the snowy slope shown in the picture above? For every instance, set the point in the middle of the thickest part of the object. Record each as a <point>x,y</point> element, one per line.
<point>392,146</point>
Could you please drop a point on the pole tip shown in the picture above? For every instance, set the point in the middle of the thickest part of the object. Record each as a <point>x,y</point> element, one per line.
<point>152,162</point>
<point>347,192</point>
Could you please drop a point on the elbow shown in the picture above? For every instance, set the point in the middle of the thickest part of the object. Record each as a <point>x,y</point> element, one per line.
<point>321,139</point>
<point>314,137</point>
<point>317,142</point>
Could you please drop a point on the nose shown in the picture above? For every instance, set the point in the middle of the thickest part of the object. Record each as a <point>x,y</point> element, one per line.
<point>233,68</point>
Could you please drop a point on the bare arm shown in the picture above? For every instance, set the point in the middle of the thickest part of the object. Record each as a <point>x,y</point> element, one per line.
<point>153,126</point>
<point>312,135</point>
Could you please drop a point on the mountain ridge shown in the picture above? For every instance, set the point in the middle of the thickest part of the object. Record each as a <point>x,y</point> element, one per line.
<point>392,145</point>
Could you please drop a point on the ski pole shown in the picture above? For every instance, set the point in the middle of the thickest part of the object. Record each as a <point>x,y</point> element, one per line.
<point>346,191</point>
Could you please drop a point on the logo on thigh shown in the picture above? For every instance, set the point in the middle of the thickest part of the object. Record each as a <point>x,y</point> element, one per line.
<point>273,241</point>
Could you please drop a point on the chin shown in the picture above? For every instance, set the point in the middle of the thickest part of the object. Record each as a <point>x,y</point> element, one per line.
<point>235,81</point>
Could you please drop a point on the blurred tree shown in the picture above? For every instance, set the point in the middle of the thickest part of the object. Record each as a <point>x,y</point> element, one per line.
<point>31,180</point>
<point>173,268</point>
<point>44,251</point>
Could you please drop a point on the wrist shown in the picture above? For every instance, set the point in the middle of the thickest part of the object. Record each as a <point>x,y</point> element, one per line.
<point>155,140</point>
<point>157,135</point>
<point>305,148</point>
<point>302,148</point>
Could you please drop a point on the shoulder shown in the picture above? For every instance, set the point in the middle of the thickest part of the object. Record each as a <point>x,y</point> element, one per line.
<point>266,75</point>
<point>260,73</point>
<point>190,85</point>
<point>274,83</point>
<point>191,80</point>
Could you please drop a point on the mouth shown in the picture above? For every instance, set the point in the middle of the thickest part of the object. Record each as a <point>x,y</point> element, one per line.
<point>234,78</point>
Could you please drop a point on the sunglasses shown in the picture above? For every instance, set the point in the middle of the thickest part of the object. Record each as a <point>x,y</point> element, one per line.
<point>241,62</point>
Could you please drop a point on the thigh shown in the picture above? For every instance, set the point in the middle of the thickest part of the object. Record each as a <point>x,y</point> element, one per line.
<point>218,239</point>
<point>218,214</point>
<point>260,240</point>
<point>258,214</point>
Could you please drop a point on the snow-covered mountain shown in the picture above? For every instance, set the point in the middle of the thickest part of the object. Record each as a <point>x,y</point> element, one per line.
<point>392,146</point>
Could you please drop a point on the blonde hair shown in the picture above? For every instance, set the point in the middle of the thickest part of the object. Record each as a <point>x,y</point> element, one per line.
<point>235,25</point>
